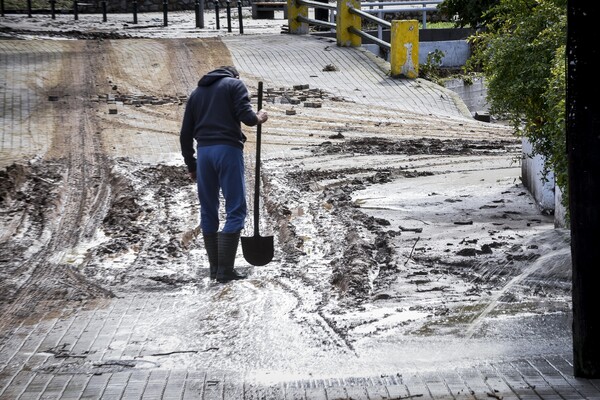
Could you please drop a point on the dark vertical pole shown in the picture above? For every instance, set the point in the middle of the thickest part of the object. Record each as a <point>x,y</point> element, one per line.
<point>104,16</point>
<point>197,11</point>
<point>583,147</point>
<point>29,8</point>
<point>217,15</point>
<point>228,16</point>
<point>53,8</point>
<point>75,10</point>
<point>135,11</point>
<point>201,14</point>
<point>241,20</point>
<point>2,8</point>
<point>165,12</point>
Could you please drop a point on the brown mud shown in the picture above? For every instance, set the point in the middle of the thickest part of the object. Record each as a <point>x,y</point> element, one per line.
<point>384,224</point>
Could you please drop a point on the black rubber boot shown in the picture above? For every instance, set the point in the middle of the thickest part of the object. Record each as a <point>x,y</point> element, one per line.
<point>228,245</point>
<point>211,244</point>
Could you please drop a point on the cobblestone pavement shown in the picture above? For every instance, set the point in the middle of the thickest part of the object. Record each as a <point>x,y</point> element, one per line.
<point>113,349</point>
<point>357,75</point>
<point>130,346</point>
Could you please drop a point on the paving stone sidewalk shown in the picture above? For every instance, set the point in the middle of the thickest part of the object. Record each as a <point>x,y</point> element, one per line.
<point>111,349</point>
<point>355,74</point>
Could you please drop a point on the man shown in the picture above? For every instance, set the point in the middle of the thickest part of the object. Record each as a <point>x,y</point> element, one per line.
<point>213,117</point>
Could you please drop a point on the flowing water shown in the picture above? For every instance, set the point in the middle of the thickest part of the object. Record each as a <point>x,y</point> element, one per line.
<point>550,269</point>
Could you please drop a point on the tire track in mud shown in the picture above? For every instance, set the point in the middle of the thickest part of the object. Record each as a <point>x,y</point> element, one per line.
<point>83,193</point>
<point>307,202</point>
<point>83,190</point>
<point>322,178</point>
<point>303,271</point>
<point>310,314</point>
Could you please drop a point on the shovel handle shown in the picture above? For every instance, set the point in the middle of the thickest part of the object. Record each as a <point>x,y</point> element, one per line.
<point>257,174</point>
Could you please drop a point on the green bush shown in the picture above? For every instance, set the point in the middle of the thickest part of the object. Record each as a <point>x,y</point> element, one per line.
<point>467,12</point>
<point>522,55</point>
<point>431,69</point>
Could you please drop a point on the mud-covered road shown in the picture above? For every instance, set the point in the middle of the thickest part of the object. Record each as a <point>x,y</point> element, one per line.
<point>65,189</point>
<point>388,226</point>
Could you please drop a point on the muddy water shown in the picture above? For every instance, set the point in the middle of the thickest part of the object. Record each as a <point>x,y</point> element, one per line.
<point>551,270</point>
<point>371,265</point>
<point>401,240</point>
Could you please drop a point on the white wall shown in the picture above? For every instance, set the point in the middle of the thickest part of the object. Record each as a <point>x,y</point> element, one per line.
<point>533,178</point>
<point>456,52</point>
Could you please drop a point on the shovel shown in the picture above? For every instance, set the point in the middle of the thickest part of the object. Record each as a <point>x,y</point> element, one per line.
<point>257,250</point>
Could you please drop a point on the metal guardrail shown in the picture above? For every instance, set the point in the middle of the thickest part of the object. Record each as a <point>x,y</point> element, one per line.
<point>198,8</point>
<point>403,46</point>
<point>365,35</point>
<point>424,9</point>
<point>380,23</point>
<point>316,4</point>
<point>381,11</point>
<point>401,3</point>
<point>378,8</point>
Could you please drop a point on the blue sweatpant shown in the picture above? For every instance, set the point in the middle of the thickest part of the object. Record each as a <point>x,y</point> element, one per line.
<point>221,167</point>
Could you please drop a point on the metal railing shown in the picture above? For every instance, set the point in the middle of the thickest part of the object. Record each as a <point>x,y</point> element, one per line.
<point>403,47</point>
<point>383,7</point>
<point>317,22</point>
<point>378,8</point>
<point>298,15</point>
<point>382,10</point>
<point>381,23</point>
<point>198,8</point>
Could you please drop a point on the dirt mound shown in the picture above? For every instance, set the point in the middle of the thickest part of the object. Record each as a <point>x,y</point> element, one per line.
<point>374,145</point>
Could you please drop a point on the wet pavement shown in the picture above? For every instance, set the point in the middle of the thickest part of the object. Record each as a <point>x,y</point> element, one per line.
<point>415,328</point>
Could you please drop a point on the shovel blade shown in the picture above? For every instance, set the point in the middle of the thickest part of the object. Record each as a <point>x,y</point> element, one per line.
<point>258,250</point>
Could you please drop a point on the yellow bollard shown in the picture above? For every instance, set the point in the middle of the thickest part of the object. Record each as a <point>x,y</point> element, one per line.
<point>294,10</point>
<point>404,52</point>
<point>345,20</point>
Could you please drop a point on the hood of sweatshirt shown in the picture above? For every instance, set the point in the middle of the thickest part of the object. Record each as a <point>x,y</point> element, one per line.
<point>215,75</point>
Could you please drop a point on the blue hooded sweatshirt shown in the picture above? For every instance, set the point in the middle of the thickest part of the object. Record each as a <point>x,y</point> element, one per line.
<point>214,113</point>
